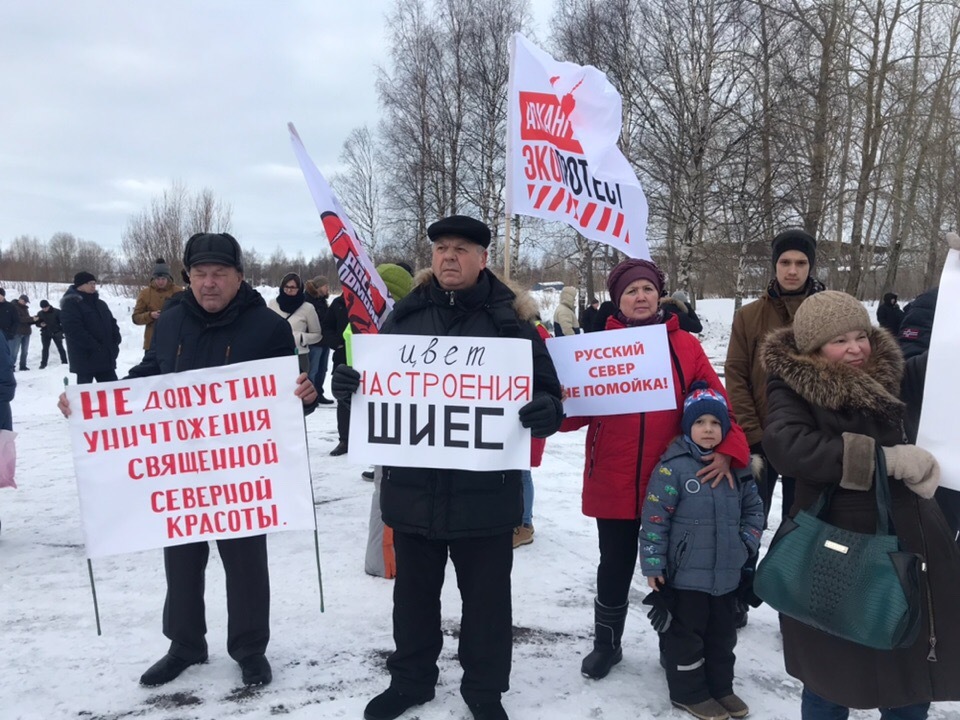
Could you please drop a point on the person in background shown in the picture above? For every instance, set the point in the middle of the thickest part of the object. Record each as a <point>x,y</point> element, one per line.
<point>334,325</point>
<point>291,305</point>
<point>606,309</point>
<point>523,533</point>
<point>152,298</point>
<point>916,326</point>
<point>889,314</point>
<point>589,316</point>
<point>8,387</point>
<point>93,337</point>
<point>25,323</point>
<point>679,304</point>
<point>9,321</point>
<point>696,541</point>
<point>380,559</point>
<point>565,316</point>
<point>50,330</point>
<point>317,291</point>
<point>833,396</point>
<point>622,450</point>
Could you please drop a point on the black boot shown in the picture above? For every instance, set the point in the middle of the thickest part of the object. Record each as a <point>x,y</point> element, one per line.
<point>608,629</point>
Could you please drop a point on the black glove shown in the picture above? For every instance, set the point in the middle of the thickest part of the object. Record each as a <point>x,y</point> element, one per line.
<point>660,602</point>
<point>542,415</point>
<point>344,382</point>
<point>745,593</point>
<point>756,449</point>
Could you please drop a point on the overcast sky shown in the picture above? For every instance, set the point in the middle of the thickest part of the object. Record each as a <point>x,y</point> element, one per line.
<point>105,104</point>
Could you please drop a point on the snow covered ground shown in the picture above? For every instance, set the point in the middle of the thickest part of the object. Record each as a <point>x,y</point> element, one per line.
<point>326,664</point>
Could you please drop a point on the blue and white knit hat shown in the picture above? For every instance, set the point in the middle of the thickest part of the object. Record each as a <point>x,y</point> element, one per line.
<point>704,401</point>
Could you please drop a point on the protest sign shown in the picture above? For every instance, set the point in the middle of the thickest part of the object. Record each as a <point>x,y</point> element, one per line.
<point>615,372</point>
<point>441,402</point>
<point>184,457</point>
<point>938,419</point>
<point>563,162</point>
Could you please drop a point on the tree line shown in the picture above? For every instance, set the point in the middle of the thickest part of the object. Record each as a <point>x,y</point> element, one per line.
<point>741,117</point>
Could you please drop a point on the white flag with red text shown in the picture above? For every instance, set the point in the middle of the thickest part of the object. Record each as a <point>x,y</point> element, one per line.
<point>364,292</point>
<point>563,162</point>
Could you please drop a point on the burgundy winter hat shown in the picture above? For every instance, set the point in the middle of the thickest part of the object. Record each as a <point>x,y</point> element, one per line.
<point>630,271</point>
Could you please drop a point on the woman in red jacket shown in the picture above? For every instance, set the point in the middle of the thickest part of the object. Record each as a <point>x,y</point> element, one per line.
<point>622,450</point>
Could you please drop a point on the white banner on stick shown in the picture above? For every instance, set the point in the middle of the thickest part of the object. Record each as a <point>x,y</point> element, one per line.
<point>184,457</point>
<point>938,420</point>
<point>441,402</point>
<point>563,162</point>
<point>615,372</point>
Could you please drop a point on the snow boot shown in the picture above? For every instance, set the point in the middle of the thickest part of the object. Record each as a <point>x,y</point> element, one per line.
<point>608,629</point>
<point>734,705</point>
<point>706,710</point>
<point>492,710</point>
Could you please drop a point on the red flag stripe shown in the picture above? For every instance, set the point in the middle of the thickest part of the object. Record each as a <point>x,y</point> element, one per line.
<point>587,214</point>
<point>557,199</point>
<point>604,219</point>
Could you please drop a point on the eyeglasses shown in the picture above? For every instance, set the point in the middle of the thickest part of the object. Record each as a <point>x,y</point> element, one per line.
<point>291,287</point>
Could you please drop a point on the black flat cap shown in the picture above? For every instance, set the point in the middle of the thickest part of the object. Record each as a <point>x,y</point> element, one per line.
<point>468,228</point>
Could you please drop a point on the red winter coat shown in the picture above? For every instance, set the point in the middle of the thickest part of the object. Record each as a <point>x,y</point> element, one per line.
<point>613,488</point>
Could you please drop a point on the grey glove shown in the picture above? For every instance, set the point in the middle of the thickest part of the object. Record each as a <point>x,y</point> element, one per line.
<point>915,466</point>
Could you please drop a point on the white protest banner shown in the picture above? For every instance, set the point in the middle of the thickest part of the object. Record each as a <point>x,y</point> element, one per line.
<point>441,402</point>
<point>938,420</point>
<point>563,162</point>
<point>364,292</point>
<point>615,372</point>
<point>185,457</point>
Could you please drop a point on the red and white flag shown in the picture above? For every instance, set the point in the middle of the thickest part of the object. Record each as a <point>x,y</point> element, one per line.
<point>563,162</point>
<point>364,292</point>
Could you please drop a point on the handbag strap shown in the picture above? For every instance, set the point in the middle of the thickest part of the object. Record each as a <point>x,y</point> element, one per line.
<point>881,483</point>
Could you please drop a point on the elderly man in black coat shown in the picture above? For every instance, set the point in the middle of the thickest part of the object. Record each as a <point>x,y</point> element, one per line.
<point>466,515</point>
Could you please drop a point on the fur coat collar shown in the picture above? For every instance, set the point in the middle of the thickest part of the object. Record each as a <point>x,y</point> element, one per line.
<point>873,389</point>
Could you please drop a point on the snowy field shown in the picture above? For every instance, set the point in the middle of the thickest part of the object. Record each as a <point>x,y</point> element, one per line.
<point>326,664</point>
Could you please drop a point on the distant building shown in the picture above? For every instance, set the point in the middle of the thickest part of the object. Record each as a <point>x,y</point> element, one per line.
<point>556,286</point>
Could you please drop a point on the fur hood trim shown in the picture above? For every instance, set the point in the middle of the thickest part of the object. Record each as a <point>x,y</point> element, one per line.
<point>524,304</point>
<point>874,389</point>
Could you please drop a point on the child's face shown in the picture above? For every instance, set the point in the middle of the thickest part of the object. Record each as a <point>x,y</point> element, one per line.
<point>706,432</point>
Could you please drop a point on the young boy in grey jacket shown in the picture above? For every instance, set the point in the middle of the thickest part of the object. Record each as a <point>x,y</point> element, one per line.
<point>696,539</point>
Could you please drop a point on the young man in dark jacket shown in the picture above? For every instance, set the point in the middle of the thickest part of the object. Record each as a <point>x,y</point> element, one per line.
<point>220,320</point>
<point>9,321</point>
<point>50,330</point>
<point>889,314</point>
<point>93,337</point>
<point>479,509</point>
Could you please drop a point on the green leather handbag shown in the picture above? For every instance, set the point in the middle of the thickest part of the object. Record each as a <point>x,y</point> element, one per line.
<point>857,586</point>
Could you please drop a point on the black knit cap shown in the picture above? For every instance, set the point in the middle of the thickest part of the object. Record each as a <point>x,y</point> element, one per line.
<point>468,228</point>
<point>82,278</point>
<point>795,239</point>
<point>216,248</point>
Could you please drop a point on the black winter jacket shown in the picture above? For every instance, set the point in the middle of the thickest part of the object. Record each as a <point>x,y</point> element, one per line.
<point>187,337</point>
<point>332,325</point>
<point>889,314</point>
<point>917,324</point>
<point>93,338</point>
<point>49,322</point>
<point>451,503</point>
<point>9,319</point>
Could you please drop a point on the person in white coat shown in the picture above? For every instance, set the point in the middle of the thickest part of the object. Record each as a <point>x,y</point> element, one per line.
<point>291,305</point>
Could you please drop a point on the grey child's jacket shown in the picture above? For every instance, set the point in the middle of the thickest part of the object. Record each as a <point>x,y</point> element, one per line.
<point>697,536</point>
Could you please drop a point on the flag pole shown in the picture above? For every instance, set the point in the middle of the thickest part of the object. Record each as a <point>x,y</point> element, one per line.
<point>313,503</point>
<point>508,185</point>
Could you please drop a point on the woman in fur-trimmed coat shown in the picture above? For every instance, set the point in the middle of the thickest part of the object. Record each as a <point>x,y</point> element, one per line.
<point>833,394</point>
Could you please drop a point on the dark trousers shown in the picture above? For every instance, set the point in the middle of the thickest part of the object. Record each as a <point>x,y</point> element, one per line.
<point>20,344</point>
<point>248,597</point>
<point>45,345</point>
<point>619,546</point>
<point>483,568</point>
<point>321,375</point>
<point>698,646</point>
<point>343,420</point>
<point>814,707</point>
<point>787,486</point>
<point>102,376</point>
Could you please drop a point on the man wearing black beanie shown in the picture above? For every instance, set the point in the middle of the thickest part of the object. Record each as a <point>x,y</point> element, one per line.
<point>794,255</point>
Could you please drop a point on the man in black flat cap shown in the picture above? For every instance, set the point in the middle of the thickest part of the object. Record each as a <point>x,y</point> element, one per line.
<point>466,515</point>
<point>219,320</point>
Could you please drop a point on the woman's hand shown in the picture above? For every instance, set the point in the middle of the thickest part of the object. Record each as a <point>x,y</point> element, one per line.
<point>717,470</point>
<point>655,581</point>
